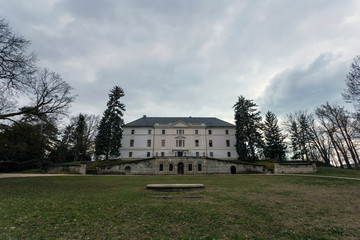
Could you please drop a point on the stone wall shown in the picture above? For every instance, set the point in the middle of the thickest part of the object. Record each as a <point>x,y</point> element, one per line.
<point>283,168</point>
<point>143,167</point>
<point>181,165</point>
<point>226,167</point>
<point>76,169</point>
<point>167,166</point>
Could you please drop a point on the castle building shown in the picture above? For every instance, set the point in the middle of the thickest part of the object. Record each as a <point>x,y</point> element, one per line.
<point>149,137</point>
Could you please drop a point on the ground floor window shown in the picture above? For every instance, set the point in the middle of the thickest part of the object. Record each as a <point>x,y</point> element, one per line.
<point>170,167</point>
<point>211,154</point>
<point>148,154</point>
<point>190,167</point>
<point>130,154</point>
<point>162,154</point>
<point>161,167</point>
<point>199,167</point>
<point>229,154</point>
<point>197,154</point>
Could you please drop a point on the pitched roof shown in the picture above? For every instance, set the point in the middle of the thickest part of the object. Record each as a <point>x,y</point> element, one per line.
<point>151,121</point>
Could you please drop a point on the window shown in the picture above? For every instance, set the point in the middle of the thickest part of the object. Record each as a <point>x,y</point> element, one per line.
<point>226,132</point>
<point>190,167</point>
<point>130,154</point>
<point>210,143</point>
<point>149,143</point>
<point>196,131</point>
<point>180,143</point>
<point>197,154</point>
<point>131,142</point>
<point>229,154</point>
<point>132,131</point>
<point>163,132</point>
<point>148,154</point>
<point>162,154</point>
<point>199,167</point>
<point>228,143</point>
<point>170,167</point>
<point>211,154</point>
<point>210,132</point>
<point>180,132</point>
<point>149,131</point>
<point>163,142</point>
<point>161,167</point>
<point>196,143</point>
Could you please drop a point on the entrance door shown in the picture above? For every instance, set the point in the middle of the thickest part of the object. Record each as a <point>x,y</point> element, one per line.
<point>233,170</point>
<point>180,168</point>
<point>179,153</point>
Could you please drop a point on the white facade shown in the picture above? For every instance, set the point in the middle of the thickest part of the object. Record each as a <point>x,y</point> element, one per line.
<point>183,137</point>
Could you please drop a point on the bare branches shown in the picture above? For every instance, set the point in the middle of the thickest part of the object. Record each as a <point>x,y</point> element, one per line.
<point>46,91</point>
<point>339,125</point>
<point>16,63</point>
<point>49,94</point>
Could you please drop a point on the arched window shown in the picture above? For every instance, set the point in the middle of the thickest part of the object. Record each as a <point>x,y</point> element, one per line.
<point>233,170</point>
<point>161,167</point>
<point>199,167</point>
<point>170,167</point>
<point>190,167</point>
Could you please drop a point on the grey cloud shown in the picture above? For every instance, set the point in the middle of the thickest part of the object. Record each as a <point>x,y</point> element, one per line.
<point>305,88</point>
<point>193,57</point>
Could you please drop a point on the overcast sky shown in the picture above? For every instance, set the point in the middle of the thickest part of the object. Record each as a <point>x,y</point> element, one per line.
<point>193,58</point>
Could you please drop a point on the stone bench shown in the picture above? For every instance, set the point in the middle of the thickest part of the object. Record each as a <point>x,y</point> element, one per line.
<point>174,186</point>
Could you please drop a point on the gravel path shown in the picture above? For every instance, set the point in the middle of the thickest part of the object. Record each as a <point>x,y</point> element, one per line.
<point>15,175</point>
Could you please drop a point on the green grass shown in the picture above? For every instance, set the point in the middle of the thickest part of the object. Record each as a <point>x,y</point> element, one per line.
<point>231,207</point>
<point>339,172</point>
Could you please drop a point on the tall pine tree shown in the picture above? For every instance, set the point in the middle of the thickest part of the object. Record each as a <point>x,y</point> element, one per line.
<point>248,127</point>
<point>108,140</point>
<point>274,147</point>
<point>79,138</point>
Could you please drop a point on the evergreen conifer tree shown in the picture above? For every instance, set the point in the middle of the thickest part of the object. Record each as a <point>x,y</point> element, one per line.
<point>108,140</point>
<point>79,138</point>
<point>248,126</point>
<point>274,147</point>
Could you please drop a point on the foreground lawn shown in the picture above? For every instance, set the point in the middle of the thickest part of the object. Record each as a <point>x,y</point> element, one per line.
<point>230,207</point>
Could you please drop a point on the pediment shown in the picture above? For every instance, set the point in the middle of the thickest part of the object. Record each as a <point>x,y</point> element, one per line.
<point>180,124</point>
<point>180,137</point>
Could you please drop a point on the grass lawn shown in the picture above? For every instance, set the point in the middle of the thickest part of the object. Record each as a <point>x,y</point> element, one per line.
<point>330,171</point>
<point>230,207</point>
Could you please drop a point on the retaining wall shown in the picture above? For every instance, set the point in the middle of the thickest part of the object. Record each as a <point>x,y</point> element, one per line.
<point>181,165</point>
<point>77,169</point>
<point>283,168</point>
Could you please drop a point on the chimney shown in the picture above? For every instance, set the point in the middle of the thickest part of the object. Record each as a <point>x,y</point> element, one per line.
<point>144,116</point>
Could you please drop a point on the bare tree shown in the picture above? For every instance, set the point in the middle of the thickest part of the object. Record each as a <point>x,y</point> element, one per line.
<point>48,93</point>
<point>352,81</point>
<point>320,139</point>
<point>16,62</point>
<point>339,124</point>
